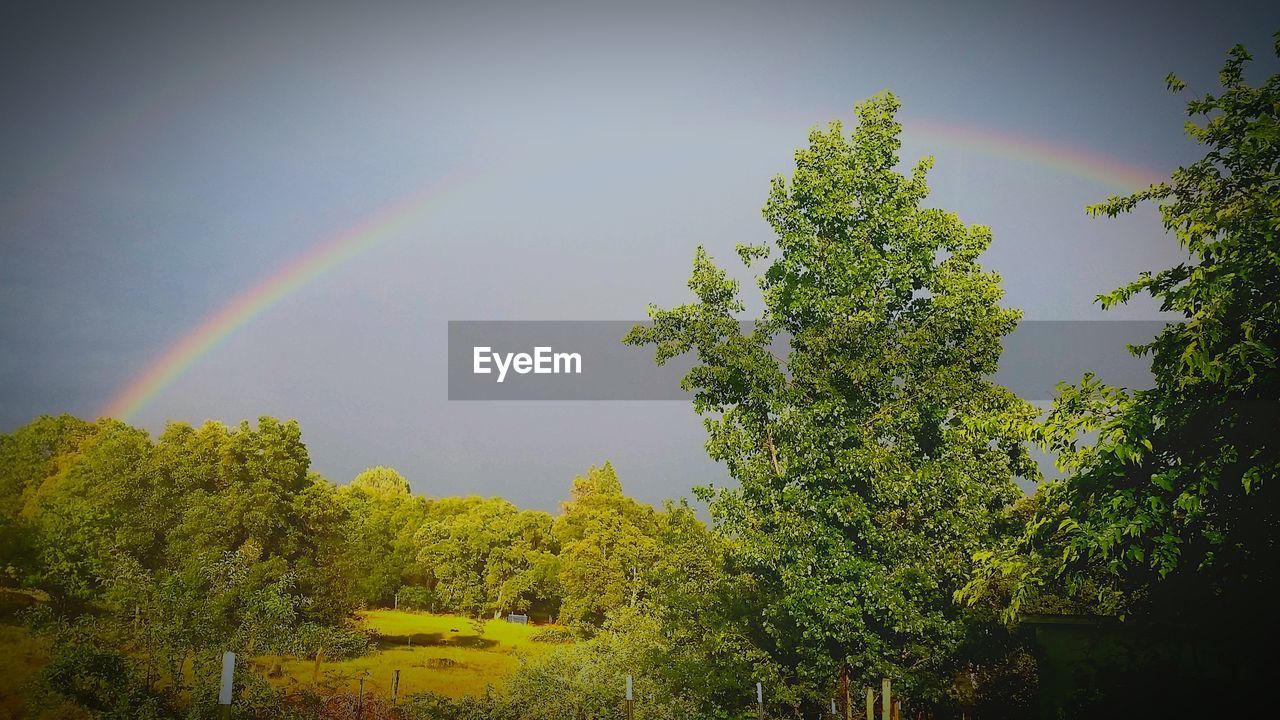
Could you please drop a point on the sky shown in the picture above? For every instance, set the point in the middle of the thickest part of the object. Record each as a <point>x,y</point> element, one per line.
<point>519,161</point>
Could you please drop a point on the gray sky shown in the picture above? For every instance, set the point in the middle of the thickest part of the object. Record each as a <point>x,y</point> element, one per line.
<point>160,160</point>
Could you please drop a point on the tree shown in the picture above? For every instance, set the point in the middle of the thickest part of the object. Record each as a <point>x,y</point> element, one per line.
<point>523,574</point>
<point>171,551</point>
<point>1170,500</point>
<point>871,466</point>
<point>86,505</point>
<point>31,454</point>
<point>692,635</point>
<point>382,481</point>
<point>607,543</point>
<point>484,555</point>
<point>382,519</point>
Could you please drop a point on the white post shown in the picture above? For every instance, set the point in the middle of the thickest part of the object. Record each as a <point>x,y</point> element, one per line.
<point>760,699</point>
<point>886,702</point>
<point>629,704</point>
<point>228,681</point>
<point>833,707</point>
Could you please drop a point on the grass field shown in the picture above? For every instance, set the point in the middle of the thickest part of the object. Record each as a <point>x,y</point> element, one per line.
<point>21,656</point>
<point>439,653</point>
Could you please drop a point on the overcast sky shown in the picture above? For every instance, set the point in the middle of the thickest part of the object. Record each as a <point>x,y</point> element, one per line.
<point>160,160</point>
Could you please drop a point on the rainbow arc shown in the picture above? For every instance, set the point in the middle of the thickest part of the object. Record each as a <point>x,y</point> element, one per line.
<point>405,213</point>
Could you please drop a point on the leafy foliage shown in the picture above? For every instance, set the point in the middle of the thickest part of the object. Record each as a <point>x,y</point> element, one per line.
<point>1168,509</point>
<point>608,542</point>
<point>1169,495</point>
<point>873,464</point>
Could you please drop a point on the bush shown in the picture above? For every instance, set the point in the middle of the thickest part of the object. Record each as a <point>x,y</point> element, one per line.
<point>104,683</point>
<point>554,635</point>
<point>430,706</point>
<point>337,643</point>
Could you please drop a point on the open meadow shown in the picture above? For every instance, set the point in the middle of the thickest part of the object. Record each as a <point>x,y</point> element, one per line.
<point>446,654</point>
<point>23,656</point>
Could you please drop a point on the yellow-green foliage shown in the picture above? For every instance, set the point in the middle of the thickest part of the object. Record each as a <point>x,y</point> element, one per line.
<point>429,654</point>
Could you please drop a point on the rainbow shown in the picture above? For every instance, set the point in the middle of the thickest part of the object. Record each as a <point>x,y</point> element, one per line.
<point>398,216</point>
<point>285,280</point>
<point>1105,170</point>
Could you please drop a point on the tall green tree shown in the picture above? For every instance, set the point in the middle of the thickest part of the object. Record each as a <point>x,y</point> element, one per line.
<point>871,465</point>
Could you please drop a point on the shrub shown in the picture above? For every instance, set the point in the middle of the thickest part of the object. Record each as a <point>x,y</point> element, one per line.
<point>554,635</point>
<point>337,643</point>
<point>431,706</point>
<point>102,682</point>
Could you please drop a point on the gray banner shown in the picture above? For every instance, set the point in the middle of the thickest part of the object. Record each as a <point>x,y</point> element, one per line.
<point>586,360</point>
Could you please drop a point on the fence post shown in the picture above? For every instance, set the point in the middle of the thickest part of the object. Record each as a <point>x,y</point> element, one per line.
<point>886,700</point>
<point>871,704</point>
<point>760,699</point>
<point>228,682</point>
<point>629,700</point>
<point>395,686</point>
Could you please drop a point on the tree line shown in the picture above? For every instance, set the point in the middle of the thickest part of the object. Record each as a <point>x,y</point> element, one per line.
<point>93,506</point>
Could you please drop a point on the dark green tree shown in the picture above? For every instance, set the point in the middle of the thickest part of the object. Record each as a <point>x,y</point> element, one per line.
<point>1170,506</point>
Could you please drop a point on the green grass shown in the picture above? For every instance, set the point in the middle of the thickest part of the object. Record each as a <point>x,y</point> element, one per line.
<point>437,653</point>
<point>425,648</point>
<point>21,657</point>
